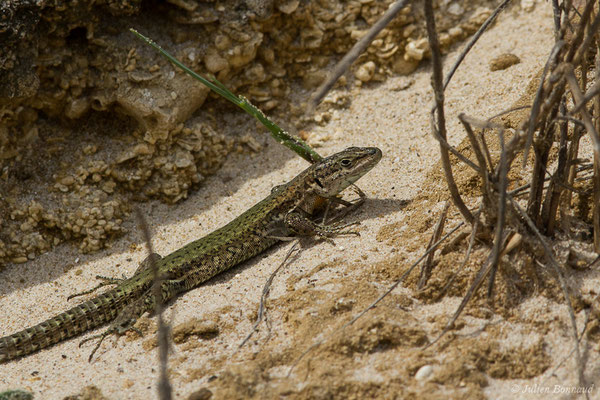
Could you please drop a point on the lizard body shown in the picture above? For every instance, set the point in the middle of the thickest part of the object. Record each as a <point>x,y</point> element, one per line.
<point>286,211</point>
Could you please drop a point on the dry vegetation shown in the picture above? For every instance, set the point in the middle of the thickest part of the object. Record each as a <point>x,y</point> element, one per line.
<point>559,206</point>
<point>529,195</point>
<point>524,222</point>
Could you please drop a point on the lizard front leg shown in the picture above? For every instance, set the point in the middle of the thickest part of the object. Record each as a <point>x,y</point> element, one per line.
<point>106,280</point>
<point>300,225</point>
<point>349,206</point>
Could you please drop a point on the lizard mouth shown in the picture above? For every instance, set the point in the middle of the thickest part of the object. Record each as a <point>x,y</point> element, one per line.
<point>343,169</point>
<point>371,157</point>
<point>376,154</point>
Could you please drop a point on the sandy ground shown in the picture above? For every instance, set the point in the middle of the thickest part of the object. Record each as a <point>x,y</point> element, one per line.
<point>325,285</point>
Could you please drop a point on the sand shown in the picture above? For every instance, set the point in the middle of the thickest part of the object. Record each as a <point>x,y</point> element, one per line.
<point>381,355</point>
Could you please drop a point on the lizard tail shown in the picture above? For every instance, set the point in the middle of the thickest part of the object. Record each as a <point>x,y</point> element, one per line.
<point>83,317</point>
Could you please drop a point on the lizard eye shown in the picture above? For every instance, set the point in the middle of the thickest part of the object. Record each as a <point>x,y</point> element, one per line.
<point>346,163</point>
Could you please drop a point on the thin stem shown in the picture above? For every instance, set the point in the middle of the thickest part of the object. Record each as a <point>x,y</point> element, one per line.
<point>294,143</point>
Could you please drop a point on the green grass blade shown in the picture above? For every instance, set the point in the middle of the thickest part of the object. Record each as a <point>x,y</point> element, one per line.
<point>294,143</point>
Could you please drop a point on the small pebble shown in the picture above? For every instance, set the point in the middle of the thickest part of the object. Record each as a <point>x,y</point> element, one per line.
<point>424,372</point>
<point>503,61</point>
<point>366,71</point>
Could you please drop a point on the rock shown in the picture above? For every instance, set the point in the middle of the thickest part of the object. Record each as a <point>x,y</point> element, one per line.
<point>366,71</point>
<point>424,372</point>
<point>504,61</point>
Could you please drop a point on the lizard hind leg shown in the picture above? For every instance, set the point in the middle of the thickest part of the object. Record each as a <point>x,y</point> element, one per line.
<point>123,323</point>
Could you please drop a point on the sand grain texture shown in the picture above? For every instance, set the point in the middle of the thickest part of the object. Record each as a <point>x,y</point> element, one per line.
<point>491,355</point>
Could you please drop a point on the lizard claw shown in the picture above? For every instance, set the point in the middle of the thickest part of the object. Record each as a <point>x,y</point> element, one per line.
<point>101,337</point>
<point>105,282</point>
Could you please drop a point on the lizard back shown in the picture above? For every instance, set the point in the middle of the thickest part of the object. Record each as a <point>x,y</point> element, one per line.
<point>246,236</point>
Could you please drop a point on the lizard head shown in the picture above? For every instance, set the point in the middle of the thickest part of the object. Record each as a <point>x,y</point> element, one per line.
<point>340,170</point>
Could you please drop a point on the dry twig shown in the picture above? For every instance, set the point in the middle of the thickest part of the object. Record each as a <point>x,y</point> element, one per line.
<point>262,311</point>
<point>164,385</point>
<point>353,54</point>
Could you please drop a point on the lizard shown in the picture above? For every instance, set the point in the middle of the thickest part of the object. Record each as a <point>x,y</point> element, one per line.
<point>286,212</point>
